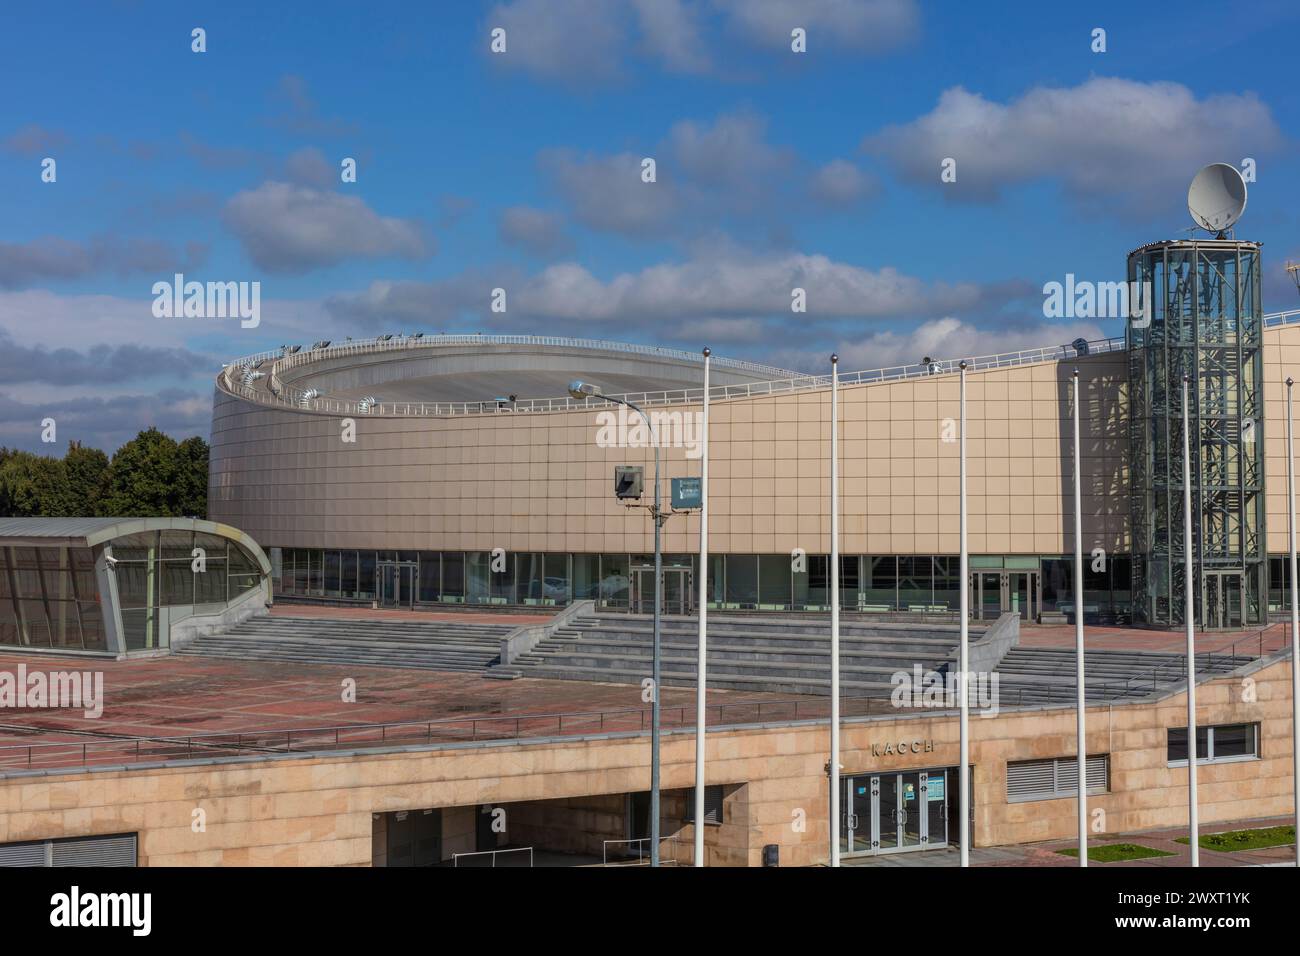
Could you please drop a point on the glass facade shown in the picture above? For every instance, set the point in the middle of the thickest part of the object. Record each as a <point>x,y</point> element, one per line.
<point>928,584</point>
<point>49,598</point>
<point>1204,320</point>
<point>155,572</point>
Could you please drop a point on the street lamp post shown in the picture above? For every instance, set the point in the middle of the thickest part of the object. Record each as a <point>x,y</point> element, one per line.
<point>584,390</point>
<point>1295,610</point>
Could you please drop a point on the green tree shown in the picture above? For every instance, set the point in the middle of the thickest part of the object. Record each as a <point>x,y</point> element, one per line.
<point>142,478</point>
<point>35,486</point>
<point>87,470</point>
<point>192,477</point>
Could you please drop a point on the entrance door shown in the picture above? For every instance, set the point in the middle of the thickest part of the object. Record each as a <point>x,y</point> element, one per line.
<point>396,584</point>
<point>994,593</point>
<point>677,591</point>
<point>1222,600</point>
<point>986,595</point>
<point>896,812</point>
<point>1022,594</point>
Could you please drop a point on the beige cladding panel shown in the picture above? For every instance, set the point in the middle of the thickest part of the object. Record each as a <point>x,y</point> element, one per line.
<point>318,811</point>
<point>542,482</point>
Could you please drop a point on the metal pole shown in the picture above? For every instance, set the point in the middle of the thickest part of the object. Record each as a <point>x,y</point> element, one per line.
<point>1295,614</point>
<point>835,612</point>
<point>964,722</point>
<point>702,653</point>
<point>654,680</point>
<point>654,729</point>
<point>1193,825</point>
<point>1081,705</point>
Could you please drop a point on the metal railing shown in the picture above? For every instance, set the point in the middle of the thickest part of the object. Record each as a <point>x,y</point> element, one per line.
<point>105,750</point>
<point>639,852</point>
<point>783,381</point>
<point>280,394</point>
<point>492,856</point>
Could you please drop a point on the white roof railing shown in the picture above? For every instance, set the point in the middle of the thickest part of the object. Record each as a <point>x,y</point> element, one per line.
<point>783,381</point>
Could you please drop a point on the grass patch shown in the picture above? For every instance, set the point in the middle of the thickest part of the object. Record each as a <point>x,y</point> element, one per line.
<point>1116,852</point>
<point>1232,840</point>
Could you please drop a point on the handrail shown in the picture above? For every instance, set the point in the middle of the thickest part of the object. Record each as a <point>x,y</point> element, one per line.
<point>278,393</point>
<point>322,740</point>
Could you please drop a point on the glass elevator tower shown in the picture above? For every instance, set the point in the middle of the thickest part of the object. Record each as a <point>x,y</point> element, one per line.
<point>1203,318</point>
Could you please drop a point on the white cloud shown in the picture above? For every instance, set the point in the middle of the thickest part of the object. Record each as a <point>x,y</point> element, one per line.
<point>867,26</point>
<point>840,183</point>
<point>942,339</point>
<point>536,230</point>
<point>290,229</point>
<point>1106,138</point>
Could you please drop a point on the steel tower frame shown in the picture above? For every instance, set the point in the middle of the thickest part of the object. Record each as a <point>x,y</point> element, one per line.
<point>1205,320</point>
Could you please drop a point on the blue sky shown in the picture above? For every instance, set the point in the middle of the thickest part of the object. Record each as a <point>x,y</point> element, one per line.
<point>521,170</point>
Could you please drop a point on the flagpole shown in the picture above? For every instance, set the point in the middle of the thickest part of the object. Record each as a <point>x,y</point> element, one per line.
<point>963,703</point>
<point>835,612</point>
<point>1192,822</point>
<point>1081,707</point>
<point>1295,614</point>
<point>702,654</point>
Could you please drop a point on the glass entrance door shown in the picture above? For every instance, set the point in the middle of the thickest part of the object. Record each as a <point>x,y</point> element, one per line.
<point>896,812</point>
<point>1222,600</point>
<point>396,584</point>
<point>677,591</point>
<point>994,593</point>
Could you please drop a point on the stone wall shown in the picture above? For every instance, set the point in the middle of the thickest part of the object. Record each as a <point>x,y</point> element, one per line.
<point>317,810</point>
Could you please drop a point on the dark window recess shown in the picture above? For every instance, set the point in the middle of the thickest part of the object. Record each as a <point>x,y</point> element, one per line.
<point>1224,742</point>
<point>713,797</point>
<point>116,850</point>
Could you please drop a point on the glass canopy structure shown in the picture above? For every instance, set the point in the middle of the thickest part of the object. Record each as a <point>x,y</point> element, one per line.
<point>120,585</point>
<point>1203,319</point>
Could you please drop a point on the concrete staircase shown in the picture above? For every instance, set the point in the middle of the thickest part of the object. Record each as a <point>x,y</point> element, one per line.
<point>773,655</point>
<point>1041,675</point>
<point>431,645</point>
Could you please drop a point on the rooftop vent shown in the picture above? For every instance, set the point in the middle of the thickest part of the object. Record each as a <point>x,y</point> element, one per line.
<point>309,396</point>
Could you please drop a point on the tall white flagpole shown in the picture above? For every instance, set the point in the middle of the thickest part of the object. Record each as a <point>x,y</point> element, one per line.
<point>1295,615</point>
<point>835,611</point>
<point>1081,707</point>
<point>964,704</point>
<point>1192,822</point>
<point>702,653</point>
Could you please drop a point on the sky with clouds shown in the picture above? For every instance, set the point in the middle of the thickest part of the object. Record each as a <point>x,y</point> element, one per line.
<point>522,170</point>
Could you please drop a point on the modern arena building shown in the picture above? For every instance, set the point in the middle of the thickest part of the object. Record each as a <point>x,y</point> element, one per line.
<point>472,695</point>
<point>392,470</point>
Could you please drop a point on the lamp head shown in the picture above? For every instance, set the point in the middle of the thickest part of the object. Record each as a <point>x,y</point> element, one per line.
<point>583,390</point>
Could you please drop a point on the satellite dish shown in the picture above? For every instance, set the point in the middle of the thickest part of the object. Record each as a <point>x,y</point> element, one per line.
<point>1217,197</point>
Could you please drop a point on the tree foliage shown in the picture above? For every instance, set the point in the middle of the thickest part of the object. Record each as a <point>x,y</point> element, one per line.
<point>151,475</point>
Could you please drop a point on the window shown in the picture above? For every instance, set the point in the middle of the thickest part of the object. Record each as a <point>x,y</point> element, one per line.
<point>1055,778</point>
<point>1215,744</point>
<point>713,797</point>
<point>117,850</point>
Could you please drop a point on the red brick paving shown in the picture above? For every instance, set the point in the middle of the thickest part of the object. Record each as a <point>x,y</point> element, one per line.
<point>179,696</point>
<point>1270,638</point>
